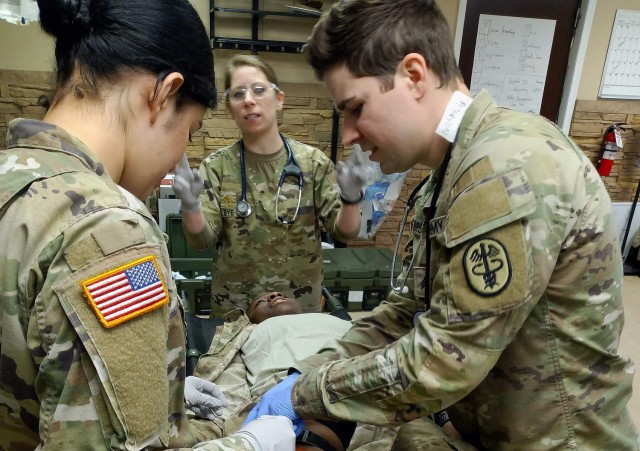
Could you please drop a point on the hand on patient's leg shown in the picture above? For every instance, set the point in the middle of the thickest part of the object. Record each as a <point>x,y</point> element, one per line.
<point>203,398</point>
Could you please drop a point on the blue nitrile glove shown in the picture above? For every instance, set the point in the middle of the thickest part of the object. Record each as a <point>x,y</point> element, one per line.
<point>277,401</point>
<point>187,185</point>
<point>203,398</point>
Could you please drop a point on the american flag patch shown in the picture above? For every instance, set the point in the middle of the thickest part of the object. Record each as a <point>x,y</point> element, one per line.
<point>126,292</point>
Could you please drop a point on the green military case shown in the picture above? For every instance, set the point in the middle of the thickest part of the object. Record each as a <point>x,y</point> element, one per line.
<point>178,247</point>
<point>195,266</point>
<point>359,277</point>
<point>195,289</point>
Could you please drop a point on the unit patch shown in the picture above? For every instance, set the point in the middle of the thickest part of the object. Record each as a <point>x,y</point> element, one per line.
<point>126,292</point>
<point>487,267</point>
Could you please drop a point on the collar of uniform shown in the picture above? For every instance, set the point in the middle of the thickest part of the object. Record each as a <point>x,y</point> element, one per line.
<point>474,114</point>
<point>33,134</point>
<point>452,117</point>
<point>260,157</point>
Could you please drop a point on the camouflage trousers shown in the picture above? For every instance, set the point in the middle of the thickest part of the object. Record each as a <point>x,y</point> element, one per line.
<point>421,434</point>
<point>424,434</point>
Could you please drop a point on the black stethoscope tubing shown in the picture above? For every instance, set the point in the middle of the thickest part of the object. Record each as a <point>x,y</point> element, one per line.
<point>410,204</point>
<point>291,169</point>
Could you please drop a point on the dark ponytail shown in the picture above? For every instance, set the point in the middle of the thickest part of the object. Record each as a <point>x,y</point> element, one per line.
<point>65,19</point>
<point>102,40</point>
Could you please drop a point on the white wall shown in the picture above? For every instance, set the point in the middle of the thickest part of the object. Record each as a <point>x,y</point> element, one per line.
<point>26,47</point>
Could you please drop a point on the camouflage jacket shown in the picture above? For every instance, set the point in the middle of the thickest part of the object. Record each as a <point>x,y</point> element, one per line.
<point>67,382</point>
<point>520,340</point>
<point>258,253</point>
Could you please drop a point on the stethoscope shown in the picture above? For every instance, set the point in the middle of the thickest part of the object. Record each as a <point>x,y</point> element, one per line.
<point>410,204</point>
<point>291,169</point>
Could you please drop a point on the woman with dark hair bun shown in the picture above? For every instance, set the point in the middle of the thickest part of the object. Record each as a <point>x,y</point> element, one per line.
<point>92,340</point>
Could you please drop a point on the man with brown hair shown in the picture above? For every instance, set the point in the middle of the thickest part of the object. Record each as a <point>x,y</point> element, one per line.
<point>510,310</point>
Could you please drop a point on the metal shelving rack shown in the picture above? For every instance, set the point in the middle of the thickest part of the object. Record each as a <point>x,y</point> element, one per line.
<point>255,44</point>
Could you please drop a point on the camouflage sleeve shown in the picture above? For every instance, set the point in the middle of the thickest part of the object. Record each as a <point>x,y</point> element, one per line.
<point>235,386</point>
<point>222,364</point>
<point>387,323</point>
<point>223,444</point>
<point>105,377</point>
<point>440,361</point>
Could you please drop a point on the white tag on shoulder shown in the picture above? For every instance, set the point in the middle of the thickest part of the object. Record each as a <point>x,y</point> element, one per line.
<point>452,117</point>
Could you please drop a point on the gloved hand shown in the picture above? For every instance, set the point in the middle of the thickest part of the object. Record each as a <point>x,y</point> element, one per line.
<point>203,398</point>
<point>269,433</point>
<point>277,401</point>
<point>352,177</point>
<point>188,184</point>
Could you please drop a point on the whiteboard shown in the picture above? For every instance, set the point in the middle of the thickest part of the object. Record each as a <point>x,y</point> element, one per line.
<point>511,60</point>
<point>621,74</point>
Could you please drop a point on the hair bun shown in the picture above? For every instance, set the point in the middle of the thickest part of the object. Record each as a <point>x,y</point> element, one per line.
<point>68,19</point>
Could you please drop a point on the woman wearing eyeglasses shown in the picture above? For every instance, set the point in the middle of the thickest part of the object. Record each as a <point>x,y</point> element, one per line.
<point>264,199</point>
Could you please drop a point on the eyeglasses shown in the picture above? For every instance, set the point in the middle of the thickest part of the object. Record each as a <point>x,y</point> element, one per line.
<point>258,89</point>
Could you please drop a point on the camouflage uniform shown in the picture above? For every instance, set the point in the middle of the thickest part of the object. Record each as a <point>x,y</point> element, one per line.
<point>67,382</point>
<point>258,253</point>
<point>520,341</point>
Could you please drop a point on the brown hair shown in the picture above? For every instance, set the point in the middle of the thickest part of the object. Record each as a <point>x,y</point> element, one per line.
<point>372,37</point>
<point>248,60</point>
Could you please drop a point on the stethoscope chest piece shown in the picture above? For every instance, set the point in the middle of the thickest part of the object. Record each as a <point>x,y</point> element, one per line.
<point>417,315</point>
<point>243,208</point>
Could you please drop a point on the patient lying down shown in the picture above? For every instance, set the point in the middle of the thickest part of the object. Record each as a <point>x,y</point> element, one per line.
<point>252,352</point>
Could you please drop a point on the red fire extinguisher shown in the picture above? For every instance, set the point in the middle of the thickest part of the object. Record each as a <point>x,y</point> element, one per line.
<point>611,143</point>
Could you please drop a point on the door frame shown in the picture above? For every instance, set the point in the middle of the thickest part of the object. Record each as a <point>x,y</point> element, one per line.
<point>576,57</point>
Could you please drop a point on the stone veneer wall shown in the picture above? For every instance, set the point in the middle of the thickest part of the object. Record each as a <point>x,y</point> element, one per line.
<point>590,119</point>
<point>307,117</point>
<point>23,94</point>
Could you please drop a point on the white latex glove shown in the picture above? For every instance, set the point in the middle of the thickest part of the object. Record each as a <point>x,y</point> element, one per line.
<point>188,184</point>
<point>269,433</point>
<point>203,398</point>
<point>352,177</point>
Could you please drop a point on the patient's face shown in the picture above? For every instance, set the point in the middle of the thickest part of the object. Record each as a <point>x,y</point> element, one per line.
<point>272,304</point>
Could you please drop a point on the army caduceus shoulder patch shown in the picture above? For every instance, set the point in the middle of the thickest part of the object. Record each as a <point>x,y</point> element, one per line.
<point>487,267</point>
